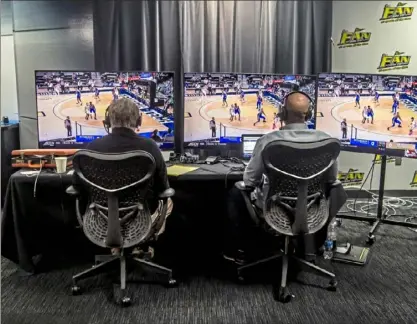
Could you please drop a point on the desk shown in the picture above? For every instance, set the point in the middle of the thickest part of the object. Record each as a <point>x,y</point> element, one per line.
<point>45,224</point>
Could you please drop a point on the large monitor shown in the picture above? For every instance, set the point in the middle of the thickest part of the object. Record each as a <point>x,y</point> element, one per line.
<point>209,118</point>
<point>369,113</point>
<point>71,105</point>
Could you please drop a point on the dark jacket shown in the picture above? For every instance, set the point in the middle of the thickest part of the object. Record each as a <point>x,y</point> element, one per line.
<point>125,140</point>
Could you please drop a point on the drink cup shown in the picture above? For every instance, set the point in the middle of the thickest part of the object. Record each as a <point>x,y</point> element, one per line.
<point>61,164</point>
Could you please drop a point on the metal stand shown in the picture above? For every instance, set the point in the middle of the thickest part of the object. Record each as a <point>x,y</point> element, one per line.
<point>381,217</point>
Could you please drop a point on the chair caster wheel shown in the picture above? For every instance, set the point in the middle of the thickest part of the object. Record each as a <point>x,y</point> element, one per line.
<point>332,285</point>
<point>240,279</point>
<point>172,283</point>
<point>76,290</point>
<point>281,294</point>
<point>371,240</point>
<point>125,302</point>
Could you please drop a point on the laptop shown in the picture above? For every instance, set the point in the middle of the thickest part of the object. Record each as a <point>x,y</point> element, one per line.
<point>248,145</point>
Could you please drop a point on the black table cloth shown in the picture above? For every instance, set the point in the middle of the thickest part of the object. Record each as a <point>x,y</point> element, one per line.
<point>40,220</point>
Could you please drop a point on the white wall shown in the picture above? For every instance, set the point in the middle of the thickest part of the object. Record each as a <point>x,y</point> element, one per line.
<point>385,38</point>
<point>8,78</point>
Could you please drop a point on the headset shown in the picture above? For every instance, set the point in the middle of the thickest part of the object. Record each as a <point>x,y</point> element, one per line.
<point>310,111</point>
<point>107,124</point>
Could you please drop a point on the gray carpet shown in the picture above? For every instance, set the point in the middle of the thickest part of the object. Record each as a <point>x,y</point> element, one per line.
<point>384,291</point>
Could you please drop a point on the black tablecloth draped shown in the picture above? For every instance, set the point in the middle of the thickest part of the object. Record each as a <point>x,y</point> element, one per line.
<point>40,220</point>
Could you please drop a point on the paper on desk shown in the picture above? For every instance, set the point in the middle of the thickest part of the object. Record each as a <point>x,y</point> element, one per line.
<point>177,170</point>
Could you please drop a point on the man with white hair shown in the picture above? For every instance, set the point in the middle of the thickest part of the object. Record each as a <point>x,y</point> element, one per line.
<point>124,119</point>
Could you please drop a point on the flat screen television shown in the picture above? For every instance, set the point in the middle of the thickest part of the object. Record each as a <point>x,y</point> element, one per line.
<point>204,106</point>
<point>370,113</point>
<point>71,105</point>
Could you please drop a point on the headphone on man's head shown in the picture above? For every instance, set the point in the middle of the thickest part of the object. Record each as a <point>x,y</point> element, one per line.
<point>107,124</point>
<point>310,111</point>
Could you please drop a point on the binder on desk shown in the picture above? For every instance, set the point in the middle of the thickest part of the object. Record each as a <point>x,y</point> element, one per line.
<point>177,170</point>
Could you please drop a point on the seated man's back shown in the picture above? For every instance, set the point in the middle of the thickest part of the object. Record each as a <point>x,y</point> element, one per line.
<point>295,129</point>
<point>124,117</point>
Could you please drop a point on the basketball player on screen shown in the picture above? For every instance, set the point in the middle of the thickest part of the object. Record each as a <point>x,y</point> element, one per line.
<point>396,120</point>
<point>364,114</point>
<point>357,100</point>
<point>96,94</point>
<point>212,126</point>
<point>413,126</point>
<point>259,101</point>
<point>237,111</point>
<point>232,112</point>
<point>370,114</point>
<point>276,121</point>
<point>68,126</point>
<point>115,93</point>
<point>87,111</point>
<point>78,96</point>
<point>343,128</point>
<point>259,116</point>
<point>395,105</point>
<point>93,111</point>
<point>242,96</point>
<point>224,96</point>
<point>376,98</point>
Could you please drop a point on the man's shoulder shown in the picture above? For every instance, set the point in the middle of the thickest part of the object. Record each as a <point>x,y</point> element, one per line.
<point>294,135</point>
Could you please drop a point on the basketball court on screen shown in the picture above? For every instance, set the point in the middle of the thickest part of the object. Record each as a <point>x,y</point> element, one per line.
<point>333,109</point>
<point>200,110</point>
<point>54,109</point>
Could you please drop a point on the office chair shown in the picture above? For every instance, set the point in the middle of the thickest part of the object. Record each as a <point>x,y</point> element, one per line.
<point>296,202</point>
<point>117,213</point>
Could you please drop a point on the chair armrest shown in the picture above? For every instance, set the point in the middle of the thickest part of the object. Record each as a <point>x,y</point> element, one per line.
<point>167,193</point>
<point>242,187</point>
<point>72,191</point>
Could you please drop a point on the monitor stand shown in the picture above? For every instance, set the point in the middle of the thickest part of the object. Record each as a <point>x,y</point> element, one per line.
<point>381,217</point>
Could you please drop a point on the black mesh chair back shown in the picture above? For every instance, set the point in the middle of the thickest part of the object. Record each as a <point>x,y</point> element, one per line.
<point>295,202</point>
<point>118,187</point>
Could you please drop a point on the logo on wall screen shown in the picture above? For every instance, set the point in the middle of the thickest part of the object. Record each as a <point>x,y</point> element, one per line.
<point>359,37</point>
<point>351,178</point>
<point>400,12</point>
<point>398,61</point>
<point>378,159</point>
<point>413,182</point>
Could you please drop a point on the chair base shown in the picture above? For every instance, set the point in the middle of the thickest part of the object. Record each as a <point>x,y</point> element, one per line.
<point>280,292</point>
<point>110,263</point>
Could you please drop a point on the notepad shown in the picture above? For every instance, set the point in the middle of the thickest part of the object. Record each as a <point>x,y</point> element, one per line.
<point>177,170</point>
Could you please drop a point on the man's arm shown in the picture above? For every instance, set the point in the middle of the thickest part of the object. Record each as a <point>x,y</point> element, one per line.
<point>160,176</point>
<point>255,169</point>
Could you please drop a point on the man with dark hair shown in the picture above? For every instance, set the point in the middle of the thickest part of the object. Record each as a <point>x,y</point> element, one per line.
<point>295,129</point>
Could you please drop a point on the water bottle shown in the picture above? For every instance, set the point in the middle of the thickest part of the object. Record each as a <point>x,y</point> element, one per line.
<point>328,249</point>
<point>332,234</point>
